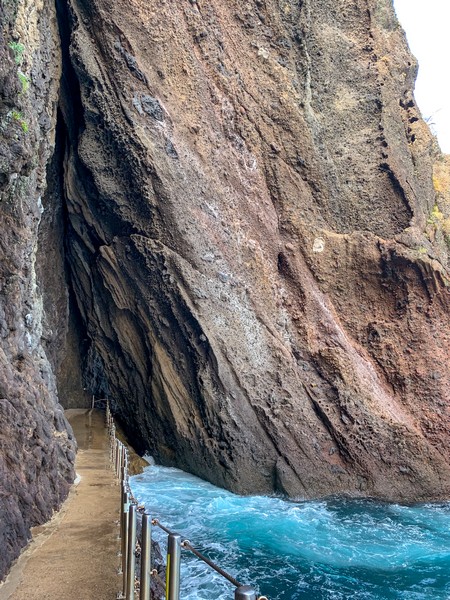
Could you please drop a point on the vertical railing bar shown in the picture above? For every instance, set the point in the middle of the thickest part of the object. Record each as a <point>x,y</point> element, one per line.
<point>173,566</point>
<point>117,457</point>
<point>124,540</point>
<point>123,501</point>
<point>120,459</point>
<point>131,552</point>
<point>146,557</point>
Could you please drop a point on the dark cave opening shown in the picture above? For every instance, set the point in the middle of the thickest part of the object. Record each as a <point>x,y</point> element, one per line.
<point>78,370</point>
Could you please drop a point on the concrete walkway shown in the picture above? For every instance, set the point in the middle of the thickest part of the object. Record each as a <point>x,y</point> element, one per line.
<point>74,556</point>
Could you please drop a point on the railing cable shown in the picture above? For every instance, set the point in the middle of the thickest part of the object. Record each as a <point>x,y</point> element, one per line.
<point>210,563</point>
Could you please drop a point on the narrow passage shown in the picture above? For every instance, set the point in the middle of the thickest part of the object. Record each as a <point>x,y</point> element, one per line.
<point>75,555</point>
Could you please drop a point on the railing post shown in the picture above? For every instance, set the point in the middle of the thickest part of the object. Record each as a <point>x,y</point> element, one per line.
<point>120,458</point>
<point>123,474</point>
<point>173,567</point>
<point>146,557</point>
<point>123,501</point>
<point>245,592</point>
<point>112,448</point>
<point>124,464</point>
<point>112,437</point>
<point>131,564</point>
<point>124,545</point>
<point>116,468</point>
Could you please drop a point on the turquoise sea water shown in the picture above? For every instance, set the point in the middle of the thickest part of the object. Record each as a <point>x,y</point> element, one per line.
<point>321,550</point>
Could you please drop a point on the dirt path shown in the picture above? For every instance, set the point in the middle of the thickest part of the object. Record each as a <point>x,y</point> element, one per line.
<point>74,556</point>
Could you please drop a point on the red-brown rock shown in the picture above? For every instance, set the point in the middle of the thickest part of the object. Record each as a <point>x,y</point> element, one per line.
<point>252,242</point>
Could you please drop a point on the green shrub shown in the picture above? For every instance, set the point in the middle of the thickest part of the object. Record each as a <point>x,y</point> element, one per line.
<point>18,116</point>
<point>18,50</point>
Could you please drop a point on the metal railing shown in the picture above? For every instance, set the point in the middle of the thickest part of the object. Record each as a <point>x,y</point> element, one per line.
<point>175,543</point>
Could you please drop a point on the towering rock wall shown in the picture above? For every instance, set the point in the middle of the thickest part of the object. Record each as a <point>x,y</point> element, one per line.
<point>256,244</point>
<point>36,445</point>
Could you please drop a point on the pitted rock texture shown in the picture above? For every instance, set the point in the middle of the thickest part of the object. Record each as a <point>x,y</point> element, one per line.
<point>36,445</point>
<point>254,245</point>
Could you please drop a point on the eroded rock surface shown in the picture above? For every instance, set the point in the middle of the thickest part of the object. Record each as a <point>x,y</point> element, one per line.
<point>256,244</point>
<point>36,445</point>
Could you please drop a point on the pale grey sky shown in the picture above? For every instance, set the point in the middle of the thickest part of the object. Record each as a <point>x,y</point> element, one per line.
<point>427,27</point>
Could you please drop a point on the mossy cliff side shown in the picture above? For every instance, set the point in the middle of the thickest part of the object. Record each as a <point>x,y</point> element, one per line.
<point>36,446</point>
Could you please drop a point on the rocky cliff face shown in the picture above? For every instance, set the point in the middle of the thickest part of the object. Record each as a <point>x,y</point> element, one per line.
<point>256,230</point>
<point>252,242</point>
<point>36,445</point>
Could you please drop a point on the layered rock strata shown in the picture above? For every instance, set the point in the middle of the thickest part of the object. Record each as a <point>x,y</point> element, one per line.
<point>256,245</point>
<point>36,445</point>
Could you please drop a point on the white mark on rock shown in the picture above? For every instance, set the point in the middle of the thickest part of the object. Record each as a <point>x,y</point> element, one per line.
<point>319,245</point>
<point>200,294</point>
<point>212,210</point>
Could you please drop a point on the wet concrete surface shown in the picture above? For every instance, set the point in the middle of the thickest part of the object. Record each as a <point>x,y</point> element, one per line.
<point>74,556</point>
